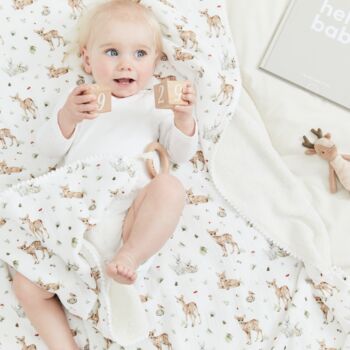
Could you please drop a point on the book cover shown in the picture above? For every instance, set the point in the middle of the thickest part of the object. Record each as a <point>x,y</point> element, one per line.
<point>311,48</point>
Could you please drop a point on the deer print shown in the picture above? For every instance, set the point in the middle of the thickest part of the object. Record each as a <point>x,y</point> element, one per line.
<point>52,287</point>
<point>57,72</point>
<point>324,347</point>
<point>226,90</point>
<point>7,133</point>
<point>20,4</point>
<point>198,158</point>
<point>49,36</point>
<point>227,283</point>
<point>168,77</point>
<point>282,293</point>
<point>27,105</point>
<point>248,327</point>
<point>324,308</point>
<point>338,164</point>
<point>186,36</point>
<point>221,212</point>
<point>214,23</point>
<point>96,275</point>
<point>158,340</point>
<point>22,341</point>
<point>2,221</point>
<point>323,287</point>
<point>36,227</point>
<point>32,248</point>
<point>224,239</point>
<point>94,317</point>
<point>66,193</point>
<point>89,226</point>
<point>9,170</point>
<point>167,3</point>
<point>196,199</point>
<point>144,298</point>
<point>190,310</point>
<point>108,342</point>
<point>76,5</point>
<point>182,56</point>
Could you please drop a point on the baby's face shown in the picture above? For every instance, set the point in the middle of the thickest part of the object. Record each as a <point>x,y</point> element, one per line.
<point>121,55</point>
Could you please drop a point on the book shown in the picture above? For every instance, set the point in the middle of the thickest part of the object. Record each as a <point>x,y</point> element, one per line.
<point>311,48</point>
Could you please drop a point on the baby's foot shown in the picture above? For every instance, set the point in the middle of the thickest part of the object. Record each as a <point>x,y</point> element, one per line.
<point>122,268</point>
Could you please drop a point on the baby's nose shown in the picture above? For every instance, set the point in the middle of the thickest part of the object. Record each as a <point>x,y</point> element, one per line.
<point>124,65</point>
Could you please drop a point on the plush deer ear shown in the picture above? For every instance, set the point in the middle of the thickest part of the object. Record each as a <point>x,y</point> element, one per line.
<point>328,135</point>
<point>310,152</point>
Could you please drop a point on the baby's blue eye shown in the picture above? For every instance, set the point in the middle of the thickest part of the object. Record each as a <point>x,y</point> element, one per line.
<point>112,52</point>
<point>140,53</point>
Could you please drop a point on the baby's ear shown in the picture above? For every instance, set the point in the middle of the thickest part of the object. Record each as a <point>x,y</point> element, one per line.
<point>86,60</point>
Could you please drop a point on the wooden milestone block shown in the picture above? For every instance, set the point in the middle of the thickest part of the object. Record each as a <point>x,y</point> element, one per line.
<point>168,93</point>
<point>103,97</point>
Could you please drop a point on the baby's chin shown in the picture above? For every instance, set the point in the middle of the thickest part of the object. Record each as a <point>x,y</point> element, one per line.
<point>122,93</point>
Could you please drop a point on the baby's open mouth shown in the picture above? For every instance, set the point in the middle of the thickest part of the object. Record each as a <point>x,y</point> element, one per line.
<point>124,81</point>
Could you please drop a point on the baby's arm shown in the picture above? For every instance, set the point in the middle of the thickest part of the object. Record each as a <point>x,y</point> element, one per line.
<point>55,137</point>
<point>179,135</point>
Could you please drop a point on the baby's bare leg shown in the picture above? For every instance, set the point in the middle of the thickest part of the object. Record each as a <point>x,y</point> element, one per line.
<point>45,312</point>
<point>148,225</point>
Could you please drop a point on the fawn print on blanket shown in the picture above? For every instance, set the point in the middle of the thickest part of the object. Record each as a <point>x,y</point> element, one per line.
<point>190,309</point>
<point>187,36</point>
<point>158,340</point>
<point>248,327</point>
<point>324,308</point>
<point>225,283</point>
<point>27,105</point>
<point>36,227</point>
<point>32,248</point>
<point>324,287</point>
<point>49,36</point>
<point>226,91</point>
<point>214,23</point>
<point>282,293</point>
<point>224,239</point>
<point>22,341</point>
<point>4,169</point>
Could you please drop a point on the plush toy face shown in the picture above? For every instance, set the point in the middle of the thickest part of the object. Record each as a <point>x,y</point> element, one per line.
<point>326,152</point>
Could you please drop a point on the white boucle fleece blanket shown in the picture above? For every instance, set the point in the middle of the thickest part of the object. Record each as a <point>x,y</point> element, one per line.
<point>269,177</point>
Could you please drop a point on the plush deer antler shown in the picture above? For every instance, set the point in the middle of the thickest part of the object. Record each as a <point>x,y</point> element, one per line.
<point>307,143</point>
<point>317,132</point>
<point>338,164</point>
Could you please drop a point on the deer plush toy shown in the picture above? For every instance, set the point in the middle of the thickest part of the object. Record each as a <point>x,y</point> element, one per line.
<point>339,164</point>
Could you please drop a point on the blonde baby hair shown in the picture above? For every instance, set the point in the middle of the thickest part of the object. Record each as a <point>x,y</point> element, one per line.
<point>125,10</point>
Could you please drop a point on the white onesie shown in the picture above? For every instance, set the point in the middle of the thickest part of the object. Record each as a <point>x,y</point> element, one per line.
<point>133,123</point>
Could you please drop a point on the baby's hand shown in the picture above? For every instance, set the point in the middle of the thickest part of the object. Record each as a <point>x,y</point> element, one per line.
<point>79,105</point>
<point>188,95</point>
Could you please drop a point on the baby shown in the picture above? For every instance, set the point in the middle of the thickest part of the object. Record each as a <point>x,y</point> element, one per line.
<point>120,45</point>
